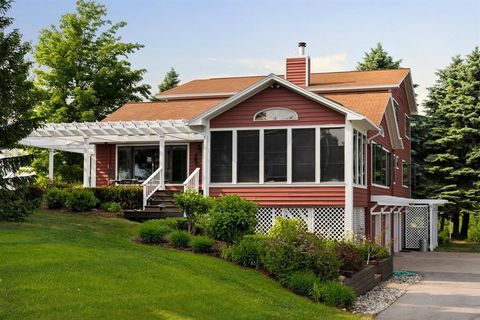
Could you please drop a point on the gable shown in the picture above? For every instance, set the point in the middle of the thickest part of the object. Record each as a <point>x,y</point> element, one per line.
<point>309,112</point>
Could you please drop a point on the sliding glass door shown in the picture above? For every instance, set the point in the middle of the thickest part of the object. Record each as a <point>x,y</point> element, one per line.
<point>176,164</point>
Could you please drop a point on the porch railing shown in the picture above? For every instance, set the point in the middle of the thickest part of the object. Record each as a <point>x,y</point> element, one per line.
<point>193,181</point>
<point>153,183</point>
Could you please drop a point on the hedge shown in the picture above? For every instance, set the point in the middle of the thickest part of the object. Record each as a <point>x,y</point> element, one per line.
<point>129,197</point>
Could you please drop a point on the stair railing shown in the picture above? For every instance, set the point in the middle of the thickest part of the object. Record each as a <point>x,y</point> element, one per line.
<point>193,181</point>
<point>153,183</point>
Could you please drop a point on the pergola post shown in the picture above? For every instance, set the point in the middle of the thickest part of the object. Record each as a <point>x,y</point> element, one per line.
<point>86,162</point>
<point>206,160</point>
<point>51,154</point>
<point>161,159</point>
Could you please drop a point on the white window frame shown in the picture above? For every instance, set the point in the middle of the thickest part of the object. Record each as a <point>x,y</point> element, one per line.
<point>372,165</point>
<point>404,162</point>
<point>360,159</point>
<point>289,182</point>
<point>276,108</point>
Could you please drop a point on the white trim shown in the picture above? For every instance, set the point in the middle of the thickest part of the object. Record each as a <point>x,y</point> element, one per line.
<point>392,126</point>
<point>234,156</point>
<point>372,158</point>
<point>403,164</point>
<point>289,156</point>
<point>206,160</point>
<point>275,108</point>
<point>405,126</point>
<point>180,96</point>
<point>400,201</point>
<point>276,184</point>
<point>261,157</point>
<point>321,126</point>
<point>317,155</point>
<point>348,177</point>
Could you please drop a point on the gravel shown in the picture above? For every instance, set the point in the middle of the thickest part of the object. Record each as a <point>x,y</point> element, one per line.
<point>383,295</point>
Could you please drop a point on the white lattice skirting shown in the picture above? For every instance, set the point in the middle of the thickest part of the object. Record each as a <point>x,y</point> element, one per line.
<point>326,221</point>
<point>359,222</point>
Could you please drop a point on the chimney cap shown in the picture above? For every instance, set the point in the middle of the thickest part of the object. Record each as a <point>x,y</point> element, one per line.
<point>302,44</point>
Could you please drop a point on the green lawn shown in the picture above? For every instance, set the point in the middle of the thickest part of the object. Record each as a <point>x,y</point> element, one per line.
<point>460,246</point>
<point>72,266</point>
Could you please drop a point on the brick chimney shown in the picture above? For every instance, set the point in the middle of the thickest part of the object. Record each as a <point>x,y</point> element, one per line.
<point>298,68</point>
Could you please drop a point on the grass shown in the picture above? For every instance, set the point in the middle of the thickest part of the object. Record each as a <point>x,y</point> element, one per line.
<point>73,266</point>
<point>459,246</point>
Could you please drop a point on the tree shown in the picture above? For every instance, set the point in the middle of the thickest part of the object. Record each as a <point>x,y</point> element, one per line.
<point>84,73</point>
<point>170,81</point>
<point>16,117</point>
<point>453,124</point>
<point>378,59</point>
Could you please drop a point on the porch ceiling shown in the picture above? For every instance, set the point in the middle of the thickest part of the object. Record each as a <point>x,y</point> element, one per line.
<point>72,137</point>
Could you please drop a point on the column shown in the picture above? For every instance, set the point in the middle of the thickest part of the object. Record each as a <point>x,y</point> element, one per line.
<point>348,178</point>
<point>206,160</point>
<point>161,160</point>
<point>51,153</point>
<point>86,162</point>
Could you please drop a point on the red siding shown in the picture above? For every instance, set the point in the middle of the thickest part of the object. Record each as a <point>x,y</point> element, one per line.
<point>297,71</point>
<point>105,155</point>
<point>288,196</point>
<point>195,161</point>
<point>309,112</point>
<point>360,197</point>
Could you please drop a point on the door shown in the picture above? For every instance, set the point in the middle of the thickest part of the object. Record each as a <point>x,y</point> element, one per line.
<point>176,164</point>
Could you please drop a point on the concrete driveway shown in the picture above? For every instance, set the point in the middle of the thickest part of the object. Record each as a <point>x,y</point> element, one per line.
<point>450,289</point>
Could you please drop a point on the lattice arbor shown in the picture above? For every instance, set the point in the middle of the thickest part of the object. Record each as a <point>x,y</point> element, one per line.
<point>416,225</point>
<point>325,221</point>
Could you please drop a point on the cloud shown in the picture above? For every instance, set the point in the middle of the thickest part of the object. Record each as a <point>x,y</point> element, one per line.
<point>334,62</point>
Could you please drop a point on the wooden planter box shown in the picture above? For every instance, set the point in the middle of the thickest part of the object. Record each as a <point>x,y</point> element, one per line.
<point>385,268</point>
<point>363,280</point>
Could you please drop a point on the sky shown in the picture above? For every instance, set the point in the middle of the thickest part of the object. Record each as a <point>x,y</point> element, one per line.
<point>203,39</point>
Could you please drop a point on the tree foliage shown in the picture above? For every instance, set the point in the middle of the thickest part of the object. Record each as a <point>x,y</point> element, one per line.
<point>16,116</point>
<point>170,81</point>
<point>378,59</point>
<point>451,138</point>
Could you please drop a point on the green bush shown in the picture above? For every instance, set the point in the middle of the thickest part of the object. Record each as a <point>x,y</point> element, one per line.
<point>334,294</point>
<point>202,244</point>
<point>247,252</point>
<point>114,207</point>
<point>82,200</point>
<point>15,204</point>
<point>153,231</point>
<point>300,282</point>
<point>180,239</point>
<point>372,251</point>
<point>230,218</point>
<point>57,198</point>
<point>287,228</point>
<point>176,223</point>
<point>194,205</point>
<point>443,237</point>
<point>474,230</point>
<point>129,197</point>
<point>350,255</point>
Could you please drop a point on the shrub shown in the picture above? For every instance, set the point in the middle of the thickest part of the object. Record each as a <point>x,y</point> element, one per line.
<point>114,207</point>
<point>372,251</point>
<point>202,244</point>
<point>82,200</point>
<point>153,231</point>
<point>194,205</point>
<point>287,228</point>
<point>443,237</point>
<point>300,282</point>
<point>350,255</point>
<point>129,197</point>
<point>57,198</point>
<point>230,218</point>
<point>180,239</point>
<point>176,223</point>
<point>247,252</point>
<point>474,230</point>
<point>15,204</point>
<point>334,294</point>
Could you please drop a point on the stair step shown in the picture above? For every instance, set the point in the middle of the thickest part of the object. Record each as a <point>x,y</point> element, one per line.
<point>155,202</point>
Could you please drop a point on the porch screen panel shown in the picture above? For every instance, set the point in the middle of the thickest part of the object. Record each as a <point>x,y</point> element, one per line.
<point>332,156</point>
<point>275,155</point>
<point>303,155</point>
<point>125,163</point>
<point>221,156</point>
<point>248,147</point>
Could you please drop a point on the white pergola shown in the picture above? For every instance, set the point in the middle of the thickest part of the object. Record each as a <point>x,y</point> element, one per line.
<point>81,138</point>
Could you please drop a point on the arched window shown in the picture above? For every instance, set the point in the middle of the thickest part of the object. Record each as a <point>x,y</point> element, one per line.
<point>275,114</point>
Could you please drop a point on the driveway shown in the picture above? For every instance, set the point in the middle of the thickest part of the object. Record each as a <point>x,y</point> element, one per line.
<point>450,289</point>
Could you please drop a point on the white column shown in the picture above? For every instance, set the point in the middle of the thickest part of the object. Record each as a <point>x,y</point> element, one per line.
<point>348,178</point>
<point>206,160</point>
<point>93,166</point>
<point>161,159</point>
<point>51,153</point>
<point>433,224</point>
<point>86,162</point>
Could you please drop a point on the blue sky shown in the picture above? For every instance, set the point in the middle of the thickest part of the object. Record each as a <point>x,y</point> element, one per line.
<point>227,38</point>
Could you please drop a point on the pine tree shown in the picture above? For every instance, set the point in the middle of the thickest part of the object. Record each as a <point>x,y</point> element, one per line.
<point>378,59</point>
<point>453,123</point>
<point>170,81</point>
<point>16,117</point>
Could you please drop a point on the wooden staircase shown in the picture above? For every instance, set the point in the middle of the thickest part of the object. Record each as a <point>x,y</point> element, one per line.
<point>159,206</point>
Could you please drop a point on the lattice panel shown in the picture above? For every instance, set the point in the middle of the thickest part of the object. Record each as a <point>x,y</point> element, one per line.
<point>416,225</point>
<point>329,222</point>
<point>359,222</point>
<point>265,218</point>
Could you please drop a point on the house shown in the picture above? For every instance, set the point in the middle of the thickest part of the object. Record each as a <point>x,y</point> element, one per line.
<point>331,148</point>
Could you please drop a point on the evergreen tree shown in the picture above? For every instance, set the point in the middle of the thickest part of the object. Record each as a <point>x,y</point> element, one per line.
<point>378,59</point>
<point>16,117</point>
<point>170,81</point>
<point>453,123</point>
<point>84,75</point>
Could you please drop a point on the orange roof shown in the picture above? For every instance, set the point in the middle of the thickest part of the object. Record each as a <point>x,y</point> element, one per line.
<point>370,104</point>
<point>162,110</point>
<point>326,80</point>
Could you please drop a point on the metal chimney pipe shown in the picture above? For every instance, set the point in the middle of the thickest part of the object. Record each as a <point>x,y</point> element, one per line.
<point>301,48</point>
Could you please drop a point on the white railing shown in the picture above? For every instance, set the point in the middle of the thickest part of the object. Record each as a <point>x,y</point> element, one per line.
<point>193,181</point>
<point>153,183</point>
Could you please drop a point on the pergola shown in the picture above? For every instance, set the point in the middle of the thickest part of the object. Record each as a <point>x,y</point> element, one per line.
<point>81,138</point>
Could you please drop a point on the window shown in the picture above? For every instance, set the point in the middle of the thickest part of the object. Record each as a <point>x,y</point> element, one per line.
<point>407,127</point>
<point>332,154</point>
<point>221,156</point>
<point>405,174</point>
<point>137,163</point>
<point>275,114</point>
<point>382,163</point>
<point>303,155</point>
<point>247,155</point>
<point>275,155</point>
<point>359,157</point>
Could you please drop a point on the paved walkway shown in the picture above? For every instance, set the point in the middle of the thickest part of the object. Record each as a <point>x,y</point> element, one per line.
<point>450,289</point>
